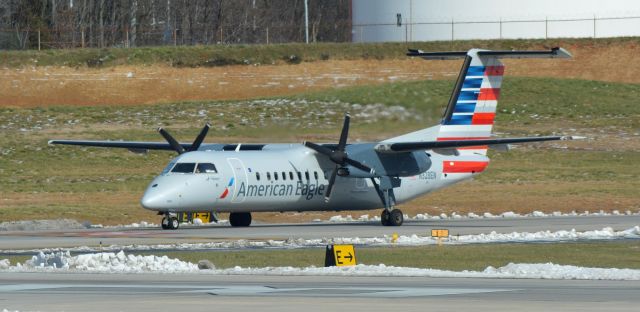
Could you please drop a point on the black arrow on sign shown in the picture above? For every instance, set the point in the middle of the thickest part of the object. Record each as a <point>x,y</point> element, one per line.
<point>350,257</point>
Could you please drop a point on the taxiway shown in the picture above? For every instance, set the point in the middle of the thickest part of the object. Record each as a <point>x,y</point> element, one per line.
<point>168,292</point>
<point>149,236</point>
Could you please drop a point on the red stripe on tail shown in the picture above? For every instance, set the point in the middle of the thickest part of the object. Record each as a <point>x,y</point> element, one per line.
<point>494,71</point>
<point>483,118</point>
<point>489,94</point>
<point>463,166</point>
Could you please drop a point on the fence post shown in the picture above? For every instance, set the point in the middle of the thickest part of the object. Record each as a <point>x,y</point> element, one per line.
<point>175,37</point>
<point>406,33</point>
<point>500,27</point>
<point>594,26</point>
<point>38,39</point>
<point>546,27</point>
<point>452,31</point>
<point>126,34</point>
<point>82,37</point>
<point>267,34</point>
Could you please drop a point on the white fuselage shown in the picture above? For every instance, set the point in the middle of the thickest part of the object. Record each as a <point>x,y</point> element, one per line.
<point>282,177</point>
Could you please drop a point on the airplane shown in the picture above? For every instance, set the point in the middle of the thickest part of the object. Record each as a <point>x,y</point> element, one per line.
<point>245,178</point>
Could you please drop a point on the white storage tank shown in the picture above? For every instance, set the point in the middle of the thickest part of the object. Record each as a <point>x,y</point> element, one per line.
<point>431,20</point>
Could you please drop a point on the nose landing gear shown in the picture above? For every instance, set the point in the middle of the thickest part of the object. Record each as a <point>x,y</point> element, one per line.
<point>170,222</point>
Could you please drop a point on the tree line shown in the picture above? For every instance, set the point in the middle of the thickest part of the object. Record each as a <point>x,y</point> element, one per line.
<point>44,24</point>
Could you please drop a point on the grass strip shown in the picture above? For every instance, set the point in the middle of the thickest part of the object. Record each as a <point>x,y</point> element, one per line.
<point>293,53</point>
<point>618,254</point>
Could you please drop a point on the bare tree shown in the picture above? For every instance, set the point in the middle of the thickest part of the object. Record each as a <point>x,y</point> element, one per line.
<point>121,23</point>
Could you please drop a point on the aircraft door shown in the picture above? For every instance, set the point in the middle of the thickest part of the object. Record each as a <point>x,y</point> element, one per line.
<point>240,179</point>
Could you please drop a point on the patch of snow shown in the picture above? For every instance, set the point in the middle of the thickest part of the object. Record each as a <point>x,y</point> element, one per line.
<point>107,262</point>
<point>486,215</point>
<point>511,270</point>
<point>123,263</point>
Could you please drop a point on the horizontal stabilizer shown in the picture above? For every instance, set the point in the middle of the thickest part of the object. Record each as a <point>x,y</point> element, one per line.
<point>416,146</point>
<point>553,53</point>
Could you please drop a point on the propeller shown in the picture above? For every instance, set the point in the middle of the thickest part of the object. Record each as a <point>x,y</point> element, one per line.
<point>178,147</point>
<point>339,156</point>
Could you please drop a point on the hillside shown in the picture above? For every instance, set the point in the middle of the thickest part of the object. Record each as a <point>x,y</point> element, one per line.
<point>150,75</point>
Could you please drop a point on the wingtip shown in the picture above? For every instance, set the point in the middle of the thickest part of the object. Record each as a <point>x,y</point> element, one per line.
<point>50,142</point>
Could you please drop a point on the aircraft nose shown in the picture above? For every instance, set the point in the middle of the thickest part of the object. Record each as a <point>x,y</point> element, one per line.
<point>153,198</point>
<point>149,201</point>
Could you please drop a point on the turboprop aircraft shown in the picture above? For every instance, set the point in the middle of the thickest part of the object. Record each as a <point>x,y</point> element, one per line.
<point>245,178</point>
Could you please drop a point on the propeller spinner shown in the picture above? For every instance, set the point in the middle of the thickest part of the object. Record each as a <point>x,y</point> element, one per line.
<point>178,147</point>
<point>339,156</point>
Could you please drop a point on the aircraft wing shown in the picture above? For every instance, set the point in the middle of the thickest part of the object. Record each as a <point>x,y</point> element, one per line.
<point>428,145</point>
<point>134,146</point>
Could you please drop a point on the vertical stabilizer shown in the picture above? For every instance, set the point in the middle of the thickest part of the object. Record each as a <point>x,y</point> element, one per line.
<point>471,111</point>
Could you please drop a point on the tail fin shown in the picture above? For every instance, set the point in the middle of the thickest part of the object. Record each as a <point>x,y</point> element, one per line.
<point>472,107</point>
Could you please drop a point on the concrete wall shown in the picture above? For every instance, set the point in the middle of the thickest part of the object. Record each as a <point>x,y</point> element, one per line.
<point>430,20</point>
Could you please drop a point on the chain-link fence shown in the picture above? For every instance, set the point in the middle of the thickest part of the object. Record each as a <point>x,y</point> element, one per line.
<point>165,36</point>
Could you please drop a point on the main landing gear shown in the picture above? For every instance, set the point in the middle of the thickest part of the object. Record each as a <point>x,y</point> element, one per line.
<point>170,222</point>
<point>240,219</point>
<point>392,218</point>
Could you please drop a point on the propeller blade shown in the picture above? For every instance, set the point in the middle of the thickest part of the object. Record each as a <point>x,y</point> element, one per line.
<point>332,179</point>
<point>345,133</point>
<point>319,148</point>
<point>200,138</point>
<point>176,146</point>
<point>359,165</point>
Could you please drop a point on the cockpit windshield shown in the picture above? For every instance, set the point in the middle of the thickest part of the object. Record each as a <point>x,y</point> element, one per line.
<point>183,168</point>
<point>168,167</point>
<point>206,168</point>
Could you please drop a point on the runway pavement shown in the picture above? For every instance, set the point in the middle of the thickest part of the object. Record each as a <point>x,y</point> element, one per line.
<point>168,292</point>
<point>93,237</point>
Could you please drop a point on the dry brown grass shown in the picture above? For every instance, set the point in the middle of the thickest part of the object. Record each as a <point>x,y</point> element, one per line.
<point>44,86</point>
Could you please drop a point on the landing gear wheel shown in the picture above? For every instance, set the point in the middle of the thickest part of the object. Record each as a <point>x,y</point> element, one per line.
<point>237,219</point>
<point>174,224</point>
<point>396,217</point>
<point>165,223</point>
<point>384,217</point>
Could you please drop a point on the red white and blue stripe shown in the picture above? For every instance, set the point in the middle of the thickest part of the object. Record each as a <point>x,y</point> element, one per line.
<point>475,108</point>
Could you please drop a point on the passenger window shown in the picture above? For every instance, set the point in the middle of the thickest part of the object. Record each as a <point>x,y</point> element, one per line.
<point>306,175</point>
<point>284,176</point>
<point>275,176</point>
<point>183,168</point>
<point>315,175</point>
<point>299,175</point>
<point>290,175</point>
<point>206,168</point>
<point>258,176</point>
<point>268,175</point>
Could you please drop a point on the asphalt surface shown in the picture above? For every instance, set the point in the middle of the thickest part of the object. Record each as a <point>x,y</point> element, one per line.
<point>149,236</point>
<point>168,292</point>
